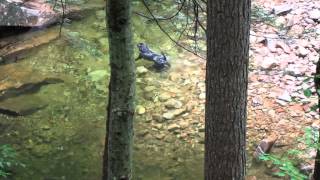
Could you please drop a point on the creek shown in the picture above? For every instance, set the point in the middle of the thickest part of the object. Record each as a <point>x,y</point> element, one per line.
<point>64,140</point>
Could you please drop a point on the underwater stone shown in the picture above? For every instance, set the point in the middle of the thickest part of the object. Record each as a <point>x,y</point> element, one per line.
<point>173,104</point>
<point>160,136</point>
<point>149,88</point>
<point>164,96</point>
<point>157,117</point>
<point>201,129</point>
<point>45,127</point>
<point>141,109</point>
<point>168,115</point>
<point>148,96</point>
<point>173,127</point>
<point>141,70</point>
<point>101,14</point>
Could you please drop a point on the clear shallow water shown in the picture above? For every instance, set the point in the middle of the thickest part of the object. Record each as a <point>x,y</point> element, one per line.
<point>65,139</point>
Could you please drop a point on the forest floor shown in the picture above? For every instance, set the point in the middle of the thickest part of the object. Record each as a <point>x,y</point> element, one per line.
<point>283,56</point>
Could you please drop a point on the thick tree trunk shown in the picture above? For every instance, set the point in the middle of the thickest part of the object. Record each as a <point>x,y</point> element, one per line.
<point>118,147</point>
<point>316,174</point>
<point>226,87</point>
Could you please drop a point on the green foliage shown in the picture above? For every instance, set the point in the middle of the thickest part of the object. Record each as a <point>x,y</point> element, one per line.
<point>8,160</point>
<point>258,14</point>
<point>285,165</point>
<point>288,161</point>
<point>307,92</point>
<point>310,138</point>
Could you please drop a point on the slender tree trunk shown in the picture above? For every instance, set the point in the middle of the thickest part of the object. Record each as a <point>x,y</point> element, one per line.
<point>226,87</point>
<point>316,174</point>
<point>117,158</point>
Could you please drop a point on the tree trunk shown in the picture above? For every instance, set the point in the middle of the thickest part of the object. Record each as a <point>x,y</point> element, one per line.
<point>316,173</point>
<point>117,158</point>
<point>226,89</point>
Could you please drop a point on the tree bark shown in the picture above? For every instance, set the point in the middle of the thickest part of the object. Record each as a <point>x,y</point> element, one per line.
<point>316,173</point>
<point>117,160</point>
<point>228,26</point>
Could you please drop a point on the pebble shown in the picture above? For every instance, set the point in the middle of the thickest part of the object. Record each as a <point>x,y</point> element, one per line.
<point>201,128</point>
<point>314,14</point>
<point>173,104</point>
<point>157,118</point>
<point>282,9</point>
<point>149,88</point>
<point>168,115</point>
<point>142,70</point>
<point>285,97</point>
<point>164,96</point>
<point>173,127</point>
<point>202,96</point>
<point>269,63</point>
<point>294,71</point>
<point>45,127</point>
<point>157,126</point>
<point>184,124</point>
<point>160,136</point>
<point>282,103</point>
<point>302,52</point>
<point>141,109</point>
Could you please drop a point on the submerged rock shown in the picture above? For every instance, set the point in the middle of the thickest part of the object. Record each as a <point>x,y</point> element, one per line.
<point>164,96</point>
<point>22,105</point>
<point>101,14</point>
<point>140,109</point>
<point>79,42</point>
<point>18,79</point>
<point>18,83</point>
<point>149,88</point>
<point>168,115</point>
<point>173,104</point>
<point>141,70</point>
<point>158,118</point>
<point>173,127</point>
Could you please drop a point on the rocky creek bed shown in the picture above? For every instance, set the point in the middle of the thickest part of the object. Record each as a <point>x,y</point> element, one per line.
<point>59,126</point>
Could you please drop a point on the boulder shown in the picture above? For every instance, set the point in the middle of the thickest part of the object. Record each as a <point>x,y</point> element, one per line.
<point>22,105</point>
<point>36,13</point>
<point>13,48</point>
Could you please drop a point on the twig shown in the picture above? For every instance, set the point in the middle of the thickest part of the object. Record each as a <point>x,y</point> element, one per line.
<point>166,33</point>
<point>163,18</point>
